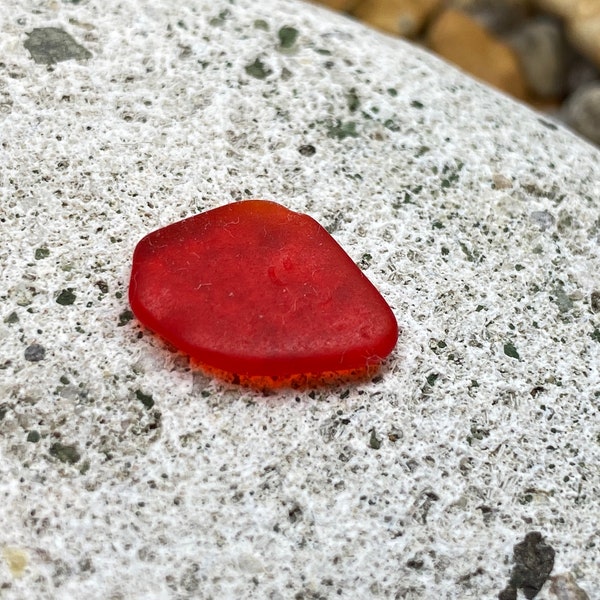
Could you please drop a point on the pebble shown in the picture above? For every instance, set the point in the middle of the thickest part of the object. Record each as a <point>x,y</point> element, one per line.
<point>584,30</point>
<point>561,8</point>
<point>581,72</point>
<point>541,49</point>
<point>495,15</point>
<point>338,4</point>
<point>401,17</point>
<point>462,40</point>
<point>582,111</point>
<point>582,19</point>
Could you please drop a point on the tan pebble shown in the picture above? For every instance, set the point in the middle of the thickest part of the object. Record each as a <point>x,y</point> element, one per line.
<point>400,17</point>
<point>463,41</point>
<point>338,4</point>
<point>583,9</point>
<point>584,33</point>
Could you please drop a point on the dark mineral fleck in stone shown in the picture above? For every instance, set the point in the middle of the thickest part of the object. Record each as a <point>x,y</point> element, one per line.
<point>65,453</point>
<point>307,150</point>
<point>261,24</point>
<point>561,299</point>
<point>145,399</point>
<point>510,350</point>
<point>102,286</point>
<point>548,124</point>
<point>341,131</point>
<point>49,45</point>
<point>287,37</point>
<point>35,353</point>
<point>415,563</point>
<point>353,100</point>
<point>33,436</point>
<point>508,593</point>
<point>125,317</point>
<point>595,301</point>
<point>258,69</point>
<point>374,441</point>
<point>66,297</point>
<point>12,318</point>
<point>41,253</point>
<point>534,561</point>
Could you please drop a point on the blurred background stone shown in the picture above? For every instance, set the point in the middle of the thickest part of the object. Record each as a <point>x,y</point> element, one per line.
<point>338,4</point>
<point>581,71</point>
<point>495,15</point>
<point>582,111</point>
<point>462,40</point>
<point>402,17</point>
<point>541,49</point>
<point>584,31</point>
<point>562,8</point>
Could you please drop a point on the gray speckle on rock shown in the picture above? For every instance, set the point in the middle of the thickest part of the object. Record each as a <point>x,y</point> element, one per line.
<point>258,69</point>
<point>534,560</point>
<point>65,452</point>
<point>66,297</point>
<point>49,45</point>
<point>542,218</point>
<point>35,353</point>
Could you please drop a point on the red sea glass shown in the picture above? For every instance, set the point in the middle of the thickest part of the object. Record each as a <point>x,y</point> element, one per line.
<point>252,289</point>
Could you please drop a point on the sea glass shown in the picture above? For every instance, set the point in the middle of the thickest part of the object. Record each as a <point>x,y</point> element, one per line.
<point>256,290</point>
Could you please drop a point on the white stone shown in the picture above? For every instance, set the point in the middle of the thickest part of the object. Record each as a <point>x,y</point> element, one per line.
<point>433,175</point>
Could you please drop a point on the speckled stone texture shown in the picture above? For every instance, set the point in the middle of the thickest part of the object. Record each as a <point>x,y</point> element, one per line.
<point>125,474</point>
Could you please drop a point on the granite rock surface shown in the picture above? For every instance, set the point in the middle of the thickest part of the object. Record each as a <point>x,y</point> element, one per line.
<point>126,473</point>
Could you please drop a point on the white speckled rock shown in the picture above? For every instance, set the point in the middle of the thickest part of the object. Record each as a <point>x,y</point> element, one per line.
<point>126,474</point>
